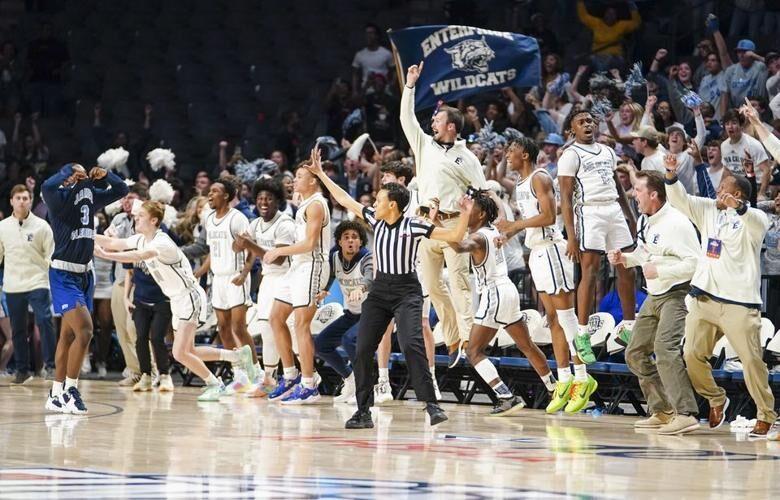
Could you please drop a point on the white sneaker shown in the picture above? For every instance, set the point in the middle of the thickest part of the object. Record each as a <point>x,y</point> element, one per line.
<point>101,369</point>
<point>436,390</point>
<point>86,366</point>
<point>347,392</point>
<point>317,380</point>
<point>166,383</point>
<point>240,383</point>
<point>73,403</point>
<point>54,403</point>
<point>143,385</point>
<point>130,380</point>
<point>382,392</point>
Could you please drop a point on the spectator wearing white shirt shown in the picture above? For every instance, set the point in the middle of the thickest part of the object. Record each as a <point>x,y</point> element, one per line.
<point>646,142</point>
<point>373,58</point>
<point>739,146</point>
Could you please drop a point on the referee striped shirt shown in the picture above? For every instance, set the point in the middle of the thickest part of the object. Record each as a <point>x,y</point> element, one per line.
<point>395,245</point>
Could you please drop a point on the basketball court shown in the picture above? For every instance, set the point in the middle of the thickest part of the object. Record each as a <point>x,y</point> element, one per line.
<point>152,445</point>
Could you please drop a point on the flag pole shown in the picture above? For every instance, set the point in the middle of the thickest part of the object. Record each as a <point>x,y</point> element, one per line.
<point>399,73</point>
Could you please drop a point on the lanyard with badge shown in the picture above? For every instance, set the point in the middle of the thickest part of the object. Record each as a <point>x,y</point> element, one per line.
<point>715,245</point>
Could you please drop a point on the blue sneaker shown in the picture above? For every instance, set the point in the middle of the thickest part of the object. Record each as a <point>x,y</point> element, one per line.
<point>284,388</point>
<point>301,396</point>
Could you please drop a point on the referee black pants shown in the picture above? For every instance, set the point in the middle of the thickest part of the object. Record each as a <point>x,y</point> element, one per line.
<point>396,297</point>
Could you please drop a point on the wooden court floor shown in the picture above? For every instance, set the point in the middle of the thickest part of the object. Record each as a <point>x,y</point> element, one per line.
<point>170,446</point>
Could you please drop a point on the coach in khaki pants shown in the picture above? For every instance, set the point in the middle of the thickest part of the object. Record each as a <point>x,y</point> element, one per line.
<point>445,168</point>
<point>726,291</point>
<point>668,251</point>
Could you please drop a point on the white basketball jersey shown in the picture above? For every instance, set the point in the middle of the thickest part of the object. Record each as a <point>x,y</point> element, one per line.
<point>492,269</point>
<point>279,231</point>
<point>320,252</point>
<point>528,205</point>
<point>350,278</point>
<point>595,166</point>
<point>170,268</point>
<point>220,235</point>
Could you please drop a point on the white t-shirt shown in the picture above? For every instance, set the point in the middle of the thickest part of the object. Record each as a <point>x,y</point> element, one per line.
<point>373,61</point>
<point>220,235</point>
<point>594,167</point>
<point>170,268</point>
<point>279,231</point>
<point>715,176</point>
<point>655,162</point>
<point>732,154</point>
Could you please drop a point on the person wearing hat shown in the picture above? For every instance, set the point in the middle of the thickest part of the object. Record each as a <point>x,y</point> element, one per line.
<point>772,61</point>
<point>550,146</point>
<point>647,143</point>
<point>744,78</point>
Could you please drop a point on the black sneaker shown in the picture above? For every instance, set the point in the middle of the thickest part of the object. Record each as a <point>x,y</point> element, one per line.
<point>22,378</point>
<point>360,420</point>
<point>507,406</point>
<point>436,412</point>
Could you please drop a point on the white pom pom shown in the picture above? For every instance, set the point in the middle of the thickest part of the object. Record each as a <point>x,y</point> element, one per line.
<point>159,158</point>
<point>113,208</point>
<point>161,191</point>
<point>170,216</point>
<point>129,182</point>
<point>113,159</point>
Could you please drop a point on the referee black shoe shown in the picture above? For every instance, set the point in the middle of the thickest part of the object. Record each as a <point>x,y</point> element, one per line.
<point>22,378</point>
<point>360,420</point>
<point>436,413</point>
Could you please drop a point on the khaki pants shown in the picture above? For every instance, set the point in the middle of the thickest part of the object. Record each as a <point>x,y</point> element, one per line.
<point>658,330</point>
<point>453,306</point>
<point>742,327</point>
<point>125,328</point>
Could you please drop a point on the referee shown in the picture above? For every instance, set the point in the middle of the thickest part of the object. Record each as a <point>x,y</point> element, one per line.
<point>396,291</point>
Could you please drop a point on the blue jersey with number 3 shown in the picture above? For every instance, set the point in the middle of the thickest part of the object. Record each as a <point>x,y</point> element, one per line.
<point>72,212</point>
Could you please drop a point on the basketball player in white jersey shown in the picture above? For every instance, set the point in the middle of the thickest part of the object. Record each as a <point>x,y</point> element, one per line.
<point>272,229</point>
<point>229,286</point>
<point>551,270</point>
<point>396,171</point>
<point>595,209</point>
<point>307,277</point>
<point>172,272</point>
<point>499,306</point>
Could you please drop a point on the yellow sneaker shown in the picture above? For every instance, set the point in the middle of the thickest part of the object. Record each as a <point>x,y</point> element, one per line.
<point>580,394</point>
<point>560,396</point>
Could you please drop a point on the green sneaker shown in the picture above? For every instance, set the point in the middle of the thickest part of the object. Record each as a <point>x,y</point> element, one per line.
<point>246,362</point>
<point>584,349</point>
<point>626,329</point>
<point>212,392</point>
<point>560,396</point>
<point>580,394</point>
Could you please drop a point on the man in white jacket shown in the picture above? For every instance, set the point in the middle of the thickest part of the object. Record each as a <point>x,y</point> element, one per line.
<point>445,168</point>
<point>726,291</point>
<point>667,250</point>
<point>26,246</point>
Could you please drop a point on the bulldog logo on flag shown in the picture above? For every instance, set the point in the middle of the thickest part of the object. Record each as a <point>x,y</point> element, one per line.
<point>463,60</point>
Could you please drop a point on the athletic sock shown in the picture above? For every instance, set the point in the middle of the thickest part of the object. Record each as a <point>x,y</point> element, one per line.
<point>384,374</point>
<point>488,372</point>
<point>70,382</point>
<point>56,388</point>
<point>290,373</point>
<point>212,380</point>
<point>350,377</point>
<point>308,382</point>
<point>231,356</point>
<point>549,381</point>
<point>432,370</point>
<point>580,373</point>
<point>564,374</point>
<point>270,374</point>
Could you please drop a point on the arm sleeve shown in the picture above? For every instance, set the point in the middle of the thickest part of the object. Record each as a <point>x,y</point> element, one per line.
<point>116,189</point>
<point>701,130</point>
<point>693,207</point>
<point>411,127</point>
<point>356,61</point>
<point>48,242</point>
<point>132,242</point>
<point>686,248</point>
<point>50,189</point>
<point>772,144</point>
<point>166,249</point>
<point>238,224</point>
<point>591,22</point>
<point>631,24</point>
<point>757,223</point>
<point>568,164</point>
<point>367,269</point>
<point>421,227</point>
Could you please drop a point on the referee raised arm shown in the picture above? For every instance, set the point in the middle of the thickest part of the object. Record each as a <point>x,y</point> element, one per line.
<point>396,291</point>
